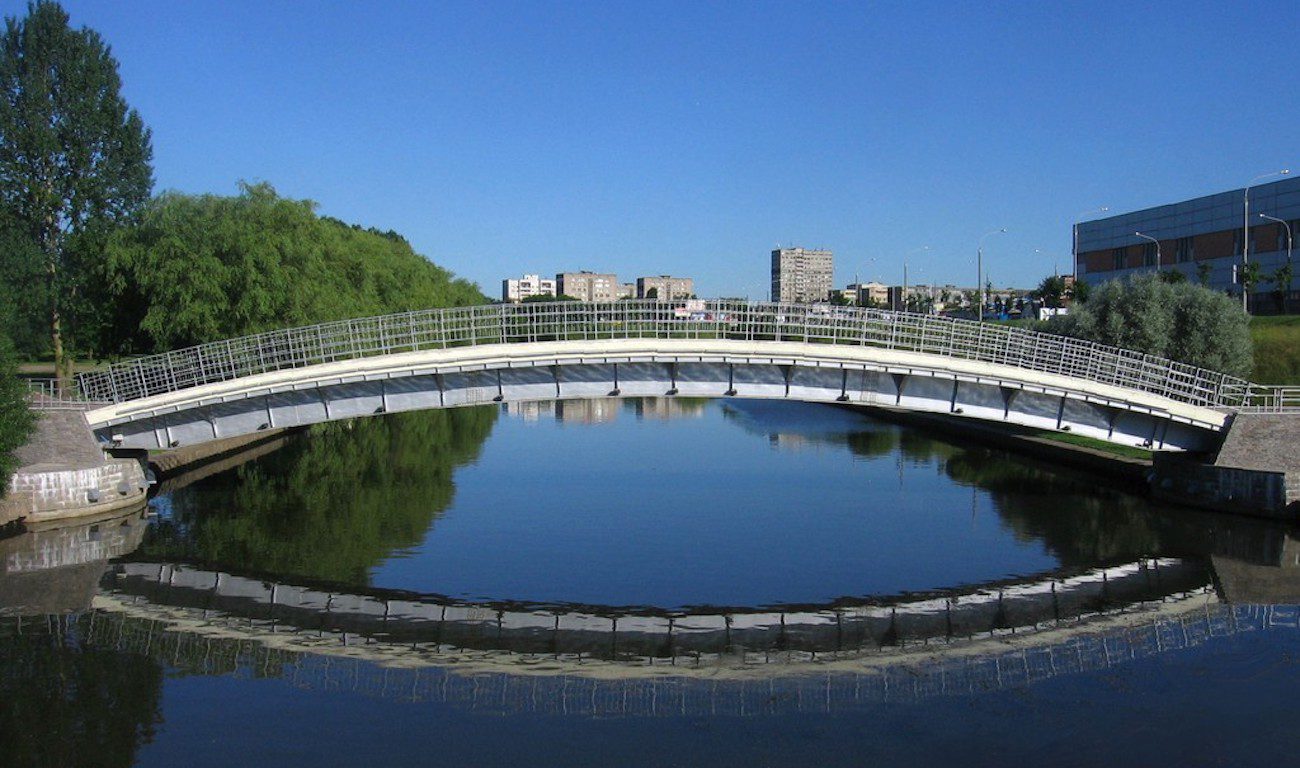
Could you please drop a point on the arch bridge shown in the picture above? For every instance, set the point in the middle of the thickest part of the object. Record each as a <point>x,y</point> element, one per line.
<point>720,348</point>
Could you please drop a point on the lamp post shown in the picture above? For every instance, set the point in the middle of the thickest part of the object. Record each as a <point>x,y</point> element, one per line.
<point>909,253</point>
<point>1074,250</point>
<point>1288,233</point>
<point>1287,288</point>
<point>1245,234</point>
<point>979,267</point>
<point>1157,242</point>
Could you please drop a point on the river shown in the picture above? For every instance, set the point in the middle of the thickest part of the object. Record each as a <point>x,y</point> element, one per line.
<point>647,582</point>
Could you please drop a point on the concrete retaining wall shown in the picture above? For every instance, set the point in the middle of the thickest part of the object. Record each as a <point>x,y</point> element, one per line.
<point>1224,489</point>
<point>37,495</point>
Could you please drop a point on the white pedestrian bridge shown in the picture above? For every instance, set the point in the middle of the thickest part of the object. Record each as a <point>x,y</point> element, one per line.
<point>479,355</point>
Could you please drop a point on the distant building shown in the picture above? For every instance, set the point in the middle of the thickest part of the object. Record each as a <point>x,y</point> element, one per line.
<point>802,275</point>
<point>1201,238</point>
<point>627,290</point>
<point>587,286</point>
<point>941,298</point>
<point>515,290</point>
<point>868,294</point>
<point>665,288</point>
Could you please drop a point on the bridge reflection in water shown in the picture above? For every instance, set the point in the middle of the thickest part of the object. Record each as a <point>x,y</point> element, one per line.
<point>646,636</point>
<point>610,661</point>
<point>562,691</point>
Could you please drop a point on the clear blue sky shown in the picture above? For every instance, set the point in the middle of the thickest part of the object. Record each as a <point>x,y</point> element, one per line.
<point>690,138</point>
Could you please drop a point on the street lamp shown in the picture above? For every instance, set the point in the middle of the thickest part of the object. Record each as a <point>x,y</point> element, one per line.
<point>1074,251</point>
<point>1157,242</point>
<point>979,267</point>
<point>1288,233</point>
<point>1245,235</point>
<point>909,253</point>
<point>1286,289</point>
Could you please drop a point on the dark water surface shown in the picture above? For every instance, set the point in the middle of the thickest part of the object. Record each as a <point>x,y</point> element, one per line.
<point>663,582</point>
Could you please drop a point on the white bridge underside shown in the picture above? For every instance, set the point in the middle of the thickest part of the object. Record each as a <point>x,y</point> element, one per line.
<point>478,375</point>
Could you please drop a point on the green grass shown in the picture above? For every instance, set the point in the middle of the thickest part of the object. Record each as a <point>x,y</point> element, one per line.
<point>1125,451</point>
<point>1277,349</point>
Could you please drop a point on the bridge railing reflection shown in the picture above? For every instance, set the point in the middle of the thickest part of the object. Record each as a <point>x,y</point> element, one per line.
<point>569,692</point>
<point>639,319</point>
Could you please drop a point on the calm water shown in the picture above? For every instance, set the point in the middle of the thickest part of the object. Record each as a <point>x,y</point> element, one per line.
<point>647,582</point>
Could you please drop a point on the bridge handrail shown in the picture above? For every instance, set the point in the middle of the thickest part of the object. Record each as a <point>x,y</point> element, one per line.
<point>716,319</point>
<point>45,394</point>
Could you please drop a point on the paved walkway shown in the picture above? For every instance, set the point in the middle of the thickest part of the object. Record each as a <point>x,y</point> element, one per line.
<point>62,440</point>
<point>1263,441</point>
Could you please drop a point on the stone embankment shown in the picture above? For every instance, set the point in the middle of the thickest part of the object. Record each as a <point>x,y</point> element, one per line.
<point>63,474</point>
<point>1256,470</point>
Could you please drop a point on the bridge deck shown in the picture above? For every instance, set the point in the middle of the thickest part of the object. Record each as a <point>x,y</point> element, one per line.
<point>489,357</point>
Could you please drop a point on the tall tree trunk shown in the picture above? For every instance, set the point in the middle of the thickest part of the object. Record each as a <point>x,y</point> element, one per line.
<point>51,247</point>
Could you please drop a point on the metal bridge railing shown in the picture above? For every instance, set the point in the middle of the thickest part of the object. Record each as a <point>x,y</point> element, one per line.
<point>48,395</point>
<point>720,319</point>
<point>1260,398</point>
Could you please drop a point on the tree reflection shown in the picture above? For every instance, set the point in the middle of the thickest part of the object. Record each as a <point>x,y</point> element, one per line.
<point>1080,517</point>
<point>65,701</point>
<point>331,505</point>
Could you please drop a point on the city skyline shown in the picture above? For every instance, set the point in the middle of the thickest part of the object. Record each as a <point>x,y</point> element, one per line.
<point>486,135</point>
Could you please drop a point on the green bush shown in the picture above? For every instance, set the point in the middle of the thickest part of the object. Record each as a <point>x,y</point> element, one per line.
<point>1181,321</point>
<point>16,419</point>
<point>200,268</point>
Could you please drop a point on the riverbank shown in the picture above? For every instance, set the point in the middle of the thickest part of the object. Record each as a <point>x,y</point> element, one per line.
<point>63,475</point>
<point>1277,349</point>
<point>1252,474</point>
<point>1122,465</point>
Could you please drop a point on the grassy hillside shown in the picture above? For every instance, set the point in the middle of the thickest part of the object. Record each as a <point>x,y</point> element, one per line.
<point>1277,349</point>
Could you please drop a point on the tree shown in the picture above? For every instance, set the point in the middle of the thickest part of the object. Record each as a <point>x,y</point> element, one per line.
<point>198,268</point>
<point>1172,276</point>
<point>1281,281</point>
<point>1203,271</point>
<point>16,419</point>
<point>1080,291</point>
<point>1051,291</point>
<point>1180,321</point>
<point>74,159</point>
<point>546,298</point>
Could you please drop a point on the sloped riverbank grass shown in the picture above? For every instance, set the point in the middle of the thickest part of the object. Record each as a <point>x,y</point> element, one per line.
<point>1277,349</point>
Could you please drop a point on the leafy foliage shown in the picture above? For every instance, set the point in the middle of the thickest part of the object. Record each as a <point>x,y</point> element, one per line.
<point>206,267</point>
<point>547,298</point>
<point>1181,321</point>
<point>16,419</point>
<point>1051,291</point>
<point>74,160</point>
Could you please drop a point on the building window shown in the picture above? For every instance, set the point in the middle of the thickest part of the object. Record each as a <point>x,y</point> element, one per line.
<point>1185,250</point>
<point>1149,251</point>
<point>1117,256</point>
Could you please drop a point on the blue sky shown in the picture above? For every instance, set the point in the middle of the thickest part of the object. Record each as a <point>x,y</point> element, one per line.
<point>691,138</point>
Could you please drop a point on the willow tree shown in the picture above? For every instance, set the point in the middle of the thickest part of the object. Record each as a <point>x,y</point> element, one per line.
<point>74,159</point>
